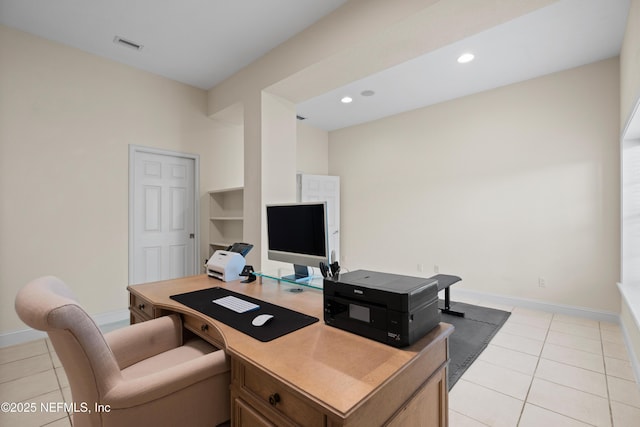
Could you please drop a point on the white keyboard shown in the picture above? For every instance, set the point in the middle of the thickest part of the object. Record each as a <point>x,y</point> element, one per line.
<point>236,304</point>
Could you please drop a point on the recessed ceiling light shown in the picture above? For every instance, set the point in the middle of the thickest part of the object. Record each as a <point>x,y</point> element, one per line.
<point>367,93</point>
<point>465,57</point>
<point>346,100</point>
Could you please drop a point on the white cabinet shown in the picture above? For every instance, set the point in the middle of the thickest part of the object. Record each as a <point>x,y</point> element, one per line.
<point>226,216</point>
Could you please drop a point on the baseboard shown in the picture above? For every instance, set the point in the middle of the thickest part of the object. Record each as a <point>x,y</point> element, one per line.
<point>103,320</point>
<point>632,298</point>
<point>106,319</point>
<point>635,364</point>
<point>588,313</point>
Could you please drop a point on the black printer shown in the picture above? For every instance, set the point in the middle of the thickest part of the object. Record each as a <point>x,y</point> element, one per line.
<point>390,308</point>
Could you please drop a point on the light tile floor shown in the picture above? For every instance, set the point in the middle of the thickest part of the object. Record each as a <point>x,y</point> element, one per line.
<point>541,369</point>
<point>549,370</point>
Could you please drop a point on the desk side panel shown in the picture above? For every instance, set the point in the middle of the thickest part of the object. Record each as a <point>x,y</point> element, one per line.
<point>394,395</point>
<point>429,407</point>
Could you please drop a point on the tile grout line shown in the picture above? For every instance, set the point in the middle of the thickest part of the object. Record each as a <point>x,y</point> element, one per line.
<point>574,366</point>
<point>497,391</point>
<point>533,375</point>
<point>36,373</point>
<point>575,389</point>
<point>579,349</point>
<point>563,415</point>
<point>30,373</point>
<point>55,372</point>
<point>606,378</point>
<point>505,367</point>
<point>470,417</point>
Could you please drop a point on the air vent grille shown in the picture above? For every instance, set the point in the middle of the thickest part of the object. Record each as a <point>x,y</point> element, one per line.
<point>128,43</point>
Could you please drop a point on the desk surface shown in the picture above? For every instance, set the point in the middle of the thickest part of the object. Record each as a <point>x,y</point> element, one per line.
<point>330,366</point>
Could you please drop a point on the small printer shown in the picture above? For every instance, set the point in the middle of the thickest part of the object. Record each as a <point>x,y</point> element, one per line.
<point>225,265</point>
<point>393,309</point>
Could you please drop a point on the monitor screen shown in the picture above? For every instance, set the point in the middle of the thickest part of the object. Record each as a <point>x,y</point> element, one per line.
<point>297,233</point>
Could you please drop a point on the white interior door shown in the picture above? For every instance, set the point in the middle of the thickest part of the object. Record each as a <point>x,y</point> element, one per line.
<point>163,235</point>
<point>321,188</point>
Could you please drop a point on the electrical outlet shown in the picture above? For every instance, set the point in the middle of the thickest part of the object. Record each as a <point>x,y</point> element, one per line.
<point>541,283</point>
<point>436,269</point>
<point>420,267</point>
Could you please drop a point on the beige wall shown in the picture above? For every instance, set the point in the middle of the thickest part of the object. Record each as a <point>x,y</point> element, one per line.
<point>65,114</point>
<point>312,150</point>
<point>360,38</point>
<point>502,188</point>
<point>225,168</point>
<point>66,121</point>
<point>278,142</point>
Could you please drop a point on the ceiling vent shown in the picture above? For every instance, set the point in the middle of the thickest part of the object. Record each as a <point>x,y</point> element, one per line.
<point>128,43</point>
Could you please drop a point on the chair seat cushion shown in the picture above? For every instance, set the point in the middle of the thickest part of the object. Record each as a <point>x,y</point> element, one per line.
<point>190,350</point>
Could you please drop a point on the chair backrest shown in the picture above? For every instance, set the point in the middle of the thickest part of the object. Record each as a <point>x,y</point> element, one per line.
<point>48,305</point>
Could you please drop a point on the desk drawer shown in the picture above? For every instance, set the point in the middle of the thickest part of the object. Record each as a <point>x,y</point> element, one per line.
<point>278,397</point>
<point>204,330</point>
<point>142,306</point>
<point>136,316</point>
<point>245,415</point>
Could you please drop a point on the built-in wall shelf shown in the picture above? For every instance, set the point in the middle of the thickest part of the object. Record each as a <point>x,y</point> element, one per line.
<point>226,217</point>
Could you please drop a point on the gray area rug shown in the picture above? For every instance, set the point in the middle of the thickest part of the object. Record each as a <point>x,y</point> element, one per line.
<point>472,334</point>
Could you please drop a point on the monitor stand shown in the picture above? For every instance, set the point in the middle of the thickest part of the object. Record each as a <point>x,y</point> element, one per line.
<point>301,274</point>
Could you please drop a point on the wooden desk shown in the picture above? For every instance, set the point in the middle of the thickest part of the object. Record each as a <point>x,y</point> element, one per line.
<point>318,375</point>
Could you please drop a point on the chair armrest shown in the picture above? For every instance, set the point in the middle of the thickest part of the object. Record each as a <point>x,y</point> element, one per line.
<point>141,390</point>
<point>140,341</point>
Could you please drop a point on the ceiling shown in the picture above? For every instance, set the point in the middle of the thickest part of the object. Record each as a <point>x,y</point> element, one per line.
<point>202,42</point>
<point>197,42</point>
<point>566,34</point>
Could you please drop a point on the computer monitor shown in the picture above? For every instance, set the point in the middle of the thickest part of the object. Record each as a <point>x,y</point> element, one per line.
<point>297,233</point>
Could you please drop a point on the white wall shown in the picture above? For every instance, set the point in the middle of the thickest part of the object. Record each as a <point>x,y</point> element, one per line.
<point>312,150</point>
<point>225,168</point>
<point>66,121</point>
<point>502,188</point>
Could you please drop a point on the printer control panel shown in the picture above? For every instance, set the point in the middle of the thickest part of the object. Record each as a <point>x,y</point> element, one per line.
<point>367,320</point>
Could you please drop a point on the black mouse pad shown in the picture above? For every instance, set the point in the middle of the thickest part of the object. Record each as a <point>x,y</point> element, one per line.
<point>284,320</point>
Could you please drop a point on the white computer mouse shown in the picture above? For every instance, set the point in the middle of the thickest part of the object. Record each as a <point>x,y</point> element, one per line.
<point>261,319</point>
